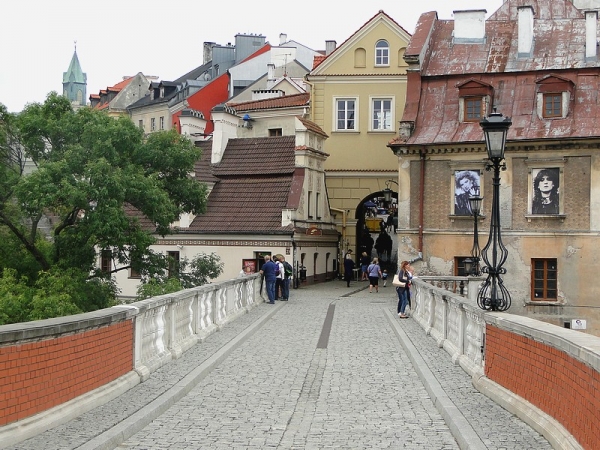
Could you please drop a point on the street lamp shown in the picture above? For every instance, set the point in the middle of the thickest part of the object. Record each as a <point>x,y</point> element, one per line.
<point>387,192</point>
<point>472,266</point>
<point>493,296</point>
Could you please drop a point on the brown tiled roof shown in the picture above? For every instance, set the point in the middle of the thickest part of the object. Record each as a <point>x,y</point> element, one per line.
<point>286,101</point>
<point>145,223</point>
<point>245,205</point>
<point>202,168</point>
<point>257,156</point>
<point>318,59</point>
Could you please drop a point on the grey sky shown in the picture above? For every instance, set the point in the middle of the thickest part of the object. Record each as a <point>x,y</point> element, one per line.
<point>118,38</point>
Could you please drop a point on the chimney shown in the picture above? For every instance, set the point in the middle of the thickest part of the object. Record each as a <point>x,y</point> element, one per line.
<point>225,127</point>
<point>591,39</point>
<point>525,31</point>
<point>207,54</point>
<point>330,47</point>
<point>469,26</point>
<point>270,72</point>
<point>282,38</point>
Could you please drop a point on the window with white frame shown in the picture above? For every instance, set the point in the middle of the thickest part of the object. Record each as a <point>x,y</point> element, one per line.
<point>382,53</point>
<point>162,123</point>
<point>346,113</point>
<point>381,109</point>
<point>152,124</point>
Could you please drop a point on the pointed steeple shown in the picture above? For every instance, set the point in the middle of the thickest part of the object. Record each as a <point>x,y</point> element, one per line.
<point>75,82</point>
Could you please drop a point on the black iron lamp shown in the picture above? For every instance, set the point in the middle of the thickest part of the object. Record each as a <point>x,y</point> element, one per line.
<point>472,266</point>
<point>387,192</point>
<point>493,295</point>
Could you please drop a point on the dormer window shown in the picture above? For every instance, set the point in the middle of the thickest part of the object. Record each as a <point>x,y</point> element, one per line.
<point>554,95</point>
<point>473,109</point>
<point>382,53</point>
<point>162,92</point>
<point>475,98</point>
<point>552,105</point>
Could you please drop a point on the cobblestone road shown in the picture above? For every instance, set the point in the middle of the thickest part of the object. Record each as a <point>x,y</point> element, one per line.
<point>332,368</point>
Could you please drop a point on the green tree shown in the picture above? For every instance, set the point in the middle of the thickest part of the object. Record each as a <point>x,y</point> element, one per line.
<point>98,183</point>
<point>183,274</point>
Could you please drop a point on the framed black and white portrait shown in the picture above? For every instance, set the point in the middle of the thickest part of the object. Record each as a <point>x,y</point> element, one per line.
<point>467,183</point>
<point>545,194</point>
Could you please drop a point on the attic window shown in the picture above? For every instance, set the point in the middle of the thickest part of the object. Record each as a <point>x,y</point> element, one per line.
<point>382,53</point>
<point>552,105</point>
<point>473,109</point>
<point>275,132</point>
<point>474,98</point>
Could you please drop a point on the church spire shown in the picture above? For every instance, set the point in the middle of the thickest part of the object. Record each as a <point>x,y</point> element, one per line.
<point>75,82</point>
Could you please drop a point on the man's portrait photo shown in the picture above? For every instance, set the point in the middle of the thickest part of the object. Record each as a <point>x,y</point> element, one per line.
<point>466,186</point>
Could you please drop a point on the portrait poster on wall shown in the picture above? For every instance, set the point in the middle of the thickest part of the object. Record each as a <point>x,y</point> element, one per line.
<point>466,185</point>
<point>249,266</point>
<point>545,194</point>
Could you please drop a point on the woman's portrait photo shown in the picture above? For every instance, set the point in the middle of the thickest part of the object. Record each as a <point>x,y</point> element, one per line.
<point>545,191</point>
<point>466,186</point>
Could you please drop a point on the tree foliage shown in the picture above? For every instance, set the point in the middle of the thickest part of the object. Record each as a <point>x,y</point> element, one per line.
<point>75,182</point>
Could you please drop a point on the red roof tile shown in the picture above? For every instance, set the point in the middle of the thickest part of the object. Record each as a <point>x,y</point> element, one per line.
<point>285,101</point>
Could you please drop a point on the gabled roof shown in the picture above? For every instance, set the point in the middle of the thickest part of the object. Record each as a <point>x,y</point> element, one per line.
<point>381,15</point>
<point>256,179</point>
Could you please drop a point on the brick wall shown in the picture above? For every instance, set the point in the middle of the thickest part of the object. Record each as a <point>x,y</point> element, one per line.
<point>555,382</point>
<point>37,376</point>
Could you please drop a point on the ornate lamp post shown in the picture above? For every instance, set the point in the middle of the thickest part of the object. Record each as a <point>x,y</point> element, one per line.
<point>493,296</point>
<point>472,266</point>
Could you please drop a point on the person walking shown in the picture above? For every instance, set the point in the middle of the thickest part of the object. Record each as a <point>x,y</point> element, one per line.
<point>288,272</point>
<point>405,274</point>
<point>374,274</point>
<point>348,267</point>
<point>279,274</point>
<point>268,271</point>
<point>364,264</point>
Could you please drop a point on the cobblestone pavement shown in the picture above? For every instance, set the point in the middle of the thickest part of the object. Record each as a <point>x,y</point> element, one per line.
<point>332,368</point>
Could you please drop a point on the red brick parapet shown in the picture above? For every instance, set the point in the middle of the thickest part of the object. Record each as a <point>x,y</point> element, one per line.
<point>554,369</point>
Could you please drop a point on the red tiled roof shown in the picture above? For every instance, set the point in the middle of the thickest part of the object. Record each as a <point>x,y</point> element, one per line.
<point>318,59</point>
<point>312,126</point>
<point>433,96</point>
<point>286,101</point>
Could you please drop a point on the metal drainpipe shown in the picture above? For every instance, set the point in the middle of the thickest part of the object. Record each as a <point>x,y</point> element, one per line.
<point>421,201</point>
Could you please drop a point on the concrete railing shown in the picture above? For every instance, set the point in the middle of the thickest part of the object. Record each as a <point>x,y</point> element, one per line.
<point>54,370</point>
<point>547,375</point>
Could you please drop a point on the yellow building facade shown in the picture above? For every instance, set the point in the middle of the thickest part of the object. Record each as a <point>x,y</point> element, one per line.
<point>358,93</point>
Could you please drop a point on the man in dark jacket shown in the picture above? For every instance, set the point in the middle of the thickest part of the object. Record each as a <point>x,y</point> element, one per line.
<point>348,267</point>
<point>269,272</point>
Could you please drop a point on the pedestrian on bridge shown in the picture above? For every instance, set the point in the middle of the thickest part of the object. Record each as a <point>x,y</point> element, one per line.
<point>374,275</point>
<point>405,274</point>
<point>269,272</point>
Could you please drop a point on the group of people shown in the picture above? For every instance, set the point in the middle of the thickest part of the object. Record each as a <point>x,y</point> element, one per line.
<point>277,274</point>
<point>372,271</point>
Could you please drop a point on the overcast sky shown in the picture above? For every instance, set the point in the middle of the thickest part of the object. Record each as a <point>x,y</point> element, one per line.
<point>164,38</point>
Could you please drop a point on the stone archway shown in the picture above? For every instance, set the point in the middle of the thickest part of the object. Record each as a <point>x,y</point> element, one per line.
<point>372,227</point>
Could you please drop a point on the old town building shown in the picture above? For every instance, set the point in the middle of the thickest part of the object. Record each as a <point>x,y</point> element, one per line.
<point>535,61</point>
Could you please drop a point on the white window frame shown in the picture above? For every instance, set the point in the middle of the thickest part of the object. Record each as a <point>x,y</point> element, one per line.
<point>336,101</point>
<point>382,54</point>
<point>373,111</point>
<point>152,124</point>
